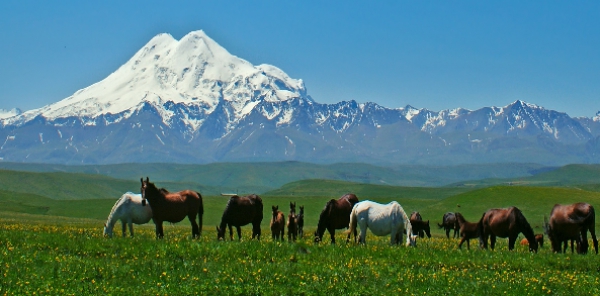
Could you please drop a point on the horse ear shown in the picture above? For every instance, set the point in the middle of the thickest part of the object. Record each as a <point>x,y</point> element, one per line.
<point>147,179</point>
<point>142,180</point>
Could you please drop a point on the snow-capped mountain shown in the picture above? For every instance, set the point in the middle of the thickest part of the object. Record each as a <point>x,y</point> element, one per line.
<point>190,100</point>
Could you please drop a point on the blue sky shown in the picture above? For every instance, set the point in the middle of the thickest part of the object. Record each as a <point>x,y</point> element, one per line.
<point>428,54</point>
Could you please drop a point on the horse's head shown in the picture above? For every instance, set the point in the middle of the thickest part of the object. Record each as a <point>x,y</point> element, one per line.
<point>301,210</point>
<point>292,207</point>
<point>412,240</point>
<point>107,231</point>
<point>275,210</point>
<point>220,233</point>
<point>318,237</point>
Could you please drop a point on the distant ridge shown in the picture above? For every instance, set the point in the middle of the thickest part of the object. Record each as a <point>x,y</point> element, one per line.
<point>191,101</point>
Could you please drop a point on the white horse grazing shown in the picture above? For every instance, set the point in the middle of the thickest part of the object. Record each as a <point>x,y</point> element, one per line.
<point>382,220</point>
<point>129,209</point>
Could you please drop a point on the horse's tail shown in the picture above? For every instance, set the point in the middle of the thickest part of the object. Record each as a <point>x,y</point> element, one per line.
<point>353,223</point>
<point>200,213</point>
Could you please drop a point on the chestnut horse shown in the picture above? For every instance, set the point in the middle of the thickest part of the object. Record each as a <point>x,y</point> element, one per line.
<point>571,222</point>
<point>468,230</point>
<point>448,223</point>
<point>173,207</point>
<point>335,215</point>
<point>241,211</point>
<point>419,227</point>
<point>507,222</point>
<point>292,223</point>
<point>277,223</point>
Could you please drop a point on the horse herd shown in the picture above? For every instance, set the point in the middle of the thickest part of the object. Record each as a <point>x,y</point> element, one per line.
<point>567,223</point>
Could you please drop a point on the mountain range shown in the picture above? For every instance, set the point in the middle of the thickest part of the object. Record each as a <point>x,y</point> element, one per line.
<point>191,101</point>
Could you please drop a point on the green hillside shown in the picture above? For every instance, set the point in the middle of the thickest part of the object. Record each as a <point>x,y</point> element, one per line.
<point>264,176</point>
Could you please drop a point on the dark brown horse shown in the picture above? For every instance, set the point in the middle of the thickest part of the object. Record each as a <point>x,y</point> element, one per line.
<point>448,223</point>
<point>571,222</point>
<point>335,215</point>
<point>292,223</point>
<point>173,207</point>
<point>468,230</point>
<point>300,219</point>
<point>277,223</point>
<point>419,227</point>
<point>241,211</point>
<point>507,222</point>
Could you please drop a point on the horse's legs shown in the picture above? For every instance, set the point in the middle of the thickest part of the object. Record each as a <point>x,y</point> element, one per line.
<point>511,242</point>
<point>230,232</point>
<point>195,229</point>
<point>159,229</point>
<point>462,240</point>
<point>124,226</point>
<point>447,232</point>
<point>492,241</point>
<point>130,224</point>
<point>331,231</point>
<point>239,232</point>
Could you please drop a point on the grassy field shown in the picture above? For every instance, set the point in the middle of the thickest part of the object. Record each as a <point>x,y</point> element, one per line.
<point>42,255</point>
<point>51,243</point>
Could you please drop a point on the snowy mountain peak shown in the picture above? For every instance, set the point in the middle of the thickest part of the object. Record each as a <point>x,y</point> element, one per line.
<point>194,71</point>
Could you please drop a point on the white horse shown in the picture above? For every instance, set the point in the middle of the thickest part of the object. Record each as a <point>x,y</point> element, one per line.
<point>382,220</point>
<point>129,209</point>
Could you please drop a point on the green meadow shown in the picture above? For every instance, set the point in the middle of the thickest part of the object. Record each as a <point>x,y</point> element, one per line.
<point>51,242</point>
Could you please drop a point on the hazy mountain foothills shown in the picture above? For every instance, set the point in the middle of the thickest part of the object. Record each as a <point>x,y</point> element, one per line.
<point>191,101</point>
<point>264,176</point>
<point>81,195</point>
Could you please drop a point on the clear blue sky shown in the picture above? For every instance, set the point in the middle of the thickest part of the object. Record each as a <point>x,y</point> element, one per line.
<point>429,54</point>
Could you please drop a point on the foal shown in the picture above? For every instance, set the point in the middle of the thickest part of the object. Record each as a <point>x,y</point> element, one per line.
<point>468,230</point>
<point>292,224</point>
<point>277,223</point>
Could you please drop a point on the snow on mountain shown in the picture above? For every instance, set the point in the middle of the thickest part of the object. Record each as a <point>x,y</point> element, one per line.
<point>9,113</point>
<point>190,100</point>
<point>194,71</point>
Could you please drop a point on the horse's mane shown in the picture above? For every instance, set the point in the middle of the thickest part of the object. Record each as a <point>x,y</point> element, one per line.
<point>163,190</point>
<point>526,228</point>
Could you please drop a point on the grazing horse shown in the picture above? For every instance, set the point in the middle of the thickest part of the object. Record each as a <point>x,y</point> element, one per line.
<point>129,210</point>
<point>277,223</point>
<point>173,207</point>
<point>382,220</point>
<point>300,219</point>
<point>571,222</point>
<point>539,238</point>
<point>335,215</point>
<point>468,230</point>
<point>449,222</point>
<point>416,216</point>
<point>292,223</point>
<point>420,227</point>
<point>507,222</point>
<point>241,211</point>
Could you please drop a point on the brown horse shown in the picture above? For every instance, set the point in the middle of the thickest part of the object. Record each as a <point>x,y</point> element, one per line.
<point>468,230</point>
<point>419,227</point>
<point>300,219</point>
<point>173,207</point>
<point>277,223</point>
<point>292,223</point>
<point>448,223</point>
<point>571,222</point>
<point>335,215</point>
<point>241,211</point>
<point>507,222</point>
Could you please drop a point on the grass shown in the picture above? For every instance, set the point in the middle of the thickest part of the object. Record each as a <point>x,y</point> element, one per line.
<point>70,257</point>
